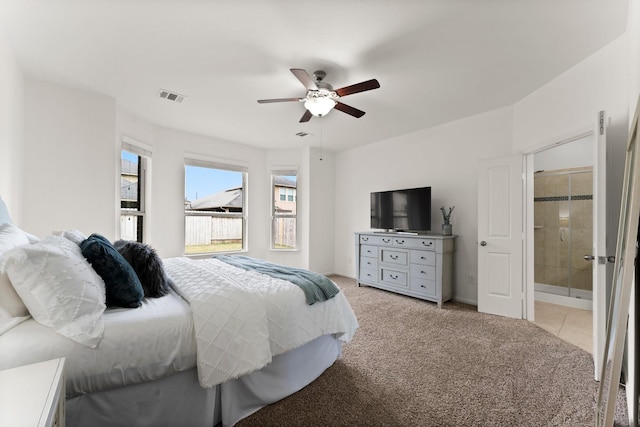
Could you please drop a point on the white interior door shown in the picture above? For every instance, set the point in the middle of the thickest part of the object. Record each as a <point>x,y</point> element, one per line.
<point>500,237</point>
<point>599,254</point>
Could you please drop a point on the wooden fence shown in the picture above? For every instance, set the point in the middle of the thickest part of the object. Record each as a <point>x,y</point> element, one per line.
<point>207,230</point>
<point>284,233</point>
<point>201,229</point>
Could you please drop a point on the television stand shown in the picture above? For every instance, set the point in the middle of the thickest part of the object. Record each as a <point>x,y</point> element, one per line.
<point>420,266</point>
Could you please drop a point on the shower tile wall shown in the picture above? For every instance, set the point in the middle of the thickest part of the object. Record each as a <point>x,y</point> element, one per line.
<point>563,228</point>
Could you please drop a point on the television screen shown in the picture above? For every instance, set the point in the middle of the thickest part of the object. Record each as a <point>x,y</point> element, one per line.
<point>402,210</point>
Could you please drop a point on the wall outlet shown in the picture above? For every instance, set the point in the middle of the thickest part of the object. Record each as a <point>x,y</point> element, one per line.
<point>471,280</point>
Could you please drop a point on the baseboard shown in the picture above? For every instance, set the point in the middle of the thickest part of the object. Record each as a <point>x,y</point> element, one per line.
<point>466,301</point>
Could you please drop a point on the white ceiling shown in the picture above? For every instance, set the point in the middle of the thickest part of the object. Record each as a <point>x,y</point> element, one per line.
<point>436,60</point>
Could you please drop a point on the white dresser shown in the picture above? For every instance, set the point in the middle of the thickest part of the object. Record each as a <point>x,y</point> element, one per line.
<point>33,395</point>
<point>420,266</point>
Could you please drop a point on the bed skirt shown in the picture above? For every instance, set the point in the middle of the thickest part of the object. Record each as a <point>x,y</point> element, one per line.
<point>179,400</point>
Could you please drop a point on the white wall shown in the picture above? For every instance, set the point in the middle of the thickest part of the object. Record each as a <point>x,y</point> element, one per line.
<point>322,210</point>
<point>575,154</point>
<point>70,179</point>
<point>69,146</point>
<point>569,104</point>
<point>11,130</point>
<point>167,217</point>
<point>167,191</point>
<point>443,157</point>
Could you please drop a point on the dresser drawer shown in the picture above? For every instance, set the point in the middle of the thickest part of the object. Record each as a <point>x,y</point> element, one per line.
<point>369,251</point>
<point>368,274</point>
<point>423,257</point>
<point>422,243</point>
<point>425,287</point>
<point>376,240</point>
<point>425,272</point>
<point>391,256</point>
<point>393,277</point>
<point>366,262</point>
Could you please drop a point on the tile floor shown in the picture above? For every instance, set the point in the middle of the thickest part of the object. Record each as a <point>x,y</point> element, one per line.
<point>573,325</point>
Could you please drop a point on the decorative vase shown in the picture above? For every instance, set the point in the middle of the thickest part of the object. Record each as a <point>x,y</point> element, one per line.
<point>447,229</point>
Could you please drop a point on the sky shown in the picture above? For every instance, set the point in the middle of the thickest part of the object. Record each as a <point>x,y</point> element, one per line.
<point>200,182</point>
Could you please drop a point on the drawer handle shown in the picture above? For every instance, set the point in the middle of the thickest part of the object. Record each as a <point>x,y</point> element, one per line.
<point>422,257</point>
<point>393,277</point>
<point>386,240</point>
<point>393,256</point>
<point>422,286</point>
<point>423,272</point>
<point>365,239</point>
<point>368,251</point>
<point>400,242</point>
<point>427,244</point>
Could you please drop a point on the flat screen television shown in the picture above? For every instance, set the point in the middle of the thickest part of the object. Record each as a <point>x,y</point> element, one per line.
<point>402,210</point>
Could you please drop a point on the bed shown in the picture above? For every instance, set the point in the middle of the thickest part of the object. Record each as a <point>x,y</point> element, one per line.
<point>222,341</point>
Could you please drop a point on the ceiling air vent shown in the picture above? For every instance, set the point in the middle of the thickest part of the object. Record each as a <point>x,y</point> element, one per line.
<point>171,96</point>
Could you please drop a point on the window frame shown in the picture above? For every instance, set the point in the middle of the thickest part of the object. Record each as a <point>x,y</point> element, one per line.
<point>145,155</point>
<point>197,161</point>
<point>283,171</point>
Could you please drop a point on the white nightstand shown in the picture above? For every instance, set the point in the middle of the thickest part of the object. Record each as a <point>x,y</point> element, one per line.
<point>33,395</point>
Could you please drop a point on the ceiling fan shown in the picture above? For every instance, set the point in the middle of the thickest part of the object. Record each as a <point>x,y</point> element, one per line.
<point>321,98</point>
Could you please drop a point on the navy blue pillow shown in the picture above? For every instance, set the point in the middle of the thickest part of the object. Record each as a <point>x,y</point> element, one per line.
<point>122,286</point>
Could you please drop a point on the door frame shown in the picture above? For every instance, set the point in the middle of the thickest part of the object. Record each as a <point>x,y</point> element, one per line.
<point>599,327</point>
<point>528,213</point>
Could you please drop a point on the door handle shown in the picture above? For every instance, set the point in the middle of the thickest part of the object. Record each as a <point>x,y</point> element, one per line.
<point>611,259</point>
<point>483,243</point>
<point>589,257</point>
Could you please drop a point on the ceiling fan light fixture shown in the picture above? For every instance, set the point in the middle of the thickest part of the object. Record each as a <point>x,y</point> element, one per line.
<point>319,105</point>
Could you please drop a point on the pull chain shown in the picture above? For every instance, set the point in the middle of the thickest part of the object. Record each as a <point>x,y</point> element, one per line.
<point>321,137</point>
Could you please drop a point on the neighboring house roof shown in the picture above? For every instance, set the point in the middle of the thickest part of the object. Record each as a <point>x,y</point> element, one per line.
<point>225,199</point>
<point>128,167</point>
<point>128,189</point>
<point>283,181</point>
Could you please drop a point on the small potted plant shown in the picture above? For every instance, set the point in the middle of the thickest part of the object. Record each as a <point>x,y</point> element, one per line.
<point>447,228</point>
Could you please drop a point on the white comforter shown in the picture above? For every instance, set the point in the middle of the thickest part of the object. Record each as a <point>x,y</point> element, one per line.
<point>143,344</point>
<point>244,318</point>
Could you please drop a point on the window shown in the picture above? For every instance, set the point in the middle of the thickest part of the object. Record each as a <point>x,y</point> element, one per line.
<point>214,207</point>
<point>284,198</point>
<point>133,168</point>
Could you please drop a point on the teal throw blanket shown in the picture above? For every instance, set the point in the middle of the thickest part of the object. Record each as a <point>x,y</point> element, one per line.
<point>316,287</point>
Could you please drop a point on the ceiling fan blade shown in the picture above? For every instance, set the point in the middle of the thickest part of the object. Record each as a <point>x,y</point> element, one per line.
<point>304,78</point>
<point>349,110</point>
<point>358,87</point>
<point>306,116</point>
<point>266,101</point>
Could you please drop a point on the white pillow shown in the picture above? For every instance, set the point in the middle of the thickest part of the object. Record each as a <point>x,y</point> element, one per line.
<point>10,237</point>
<point>10,302</point>
<point>76,236</point>
<point>59,288</point>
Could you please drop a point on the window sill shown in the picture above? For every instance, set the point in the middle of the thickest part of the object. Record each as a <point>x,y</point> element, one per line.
<point>206,255</point>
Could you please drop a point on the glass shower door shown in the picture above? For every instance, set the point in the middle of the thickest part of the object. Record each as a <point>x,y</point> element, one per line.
<point>563,232</point>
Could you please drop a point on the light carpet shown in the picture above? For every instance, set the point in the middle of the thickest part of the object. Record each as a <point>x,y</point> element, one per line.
<point>413,364</point>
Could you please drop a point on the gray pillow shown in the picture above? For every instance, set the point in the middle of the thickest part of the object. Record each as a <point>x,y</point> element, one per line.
<point>147,265</point>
